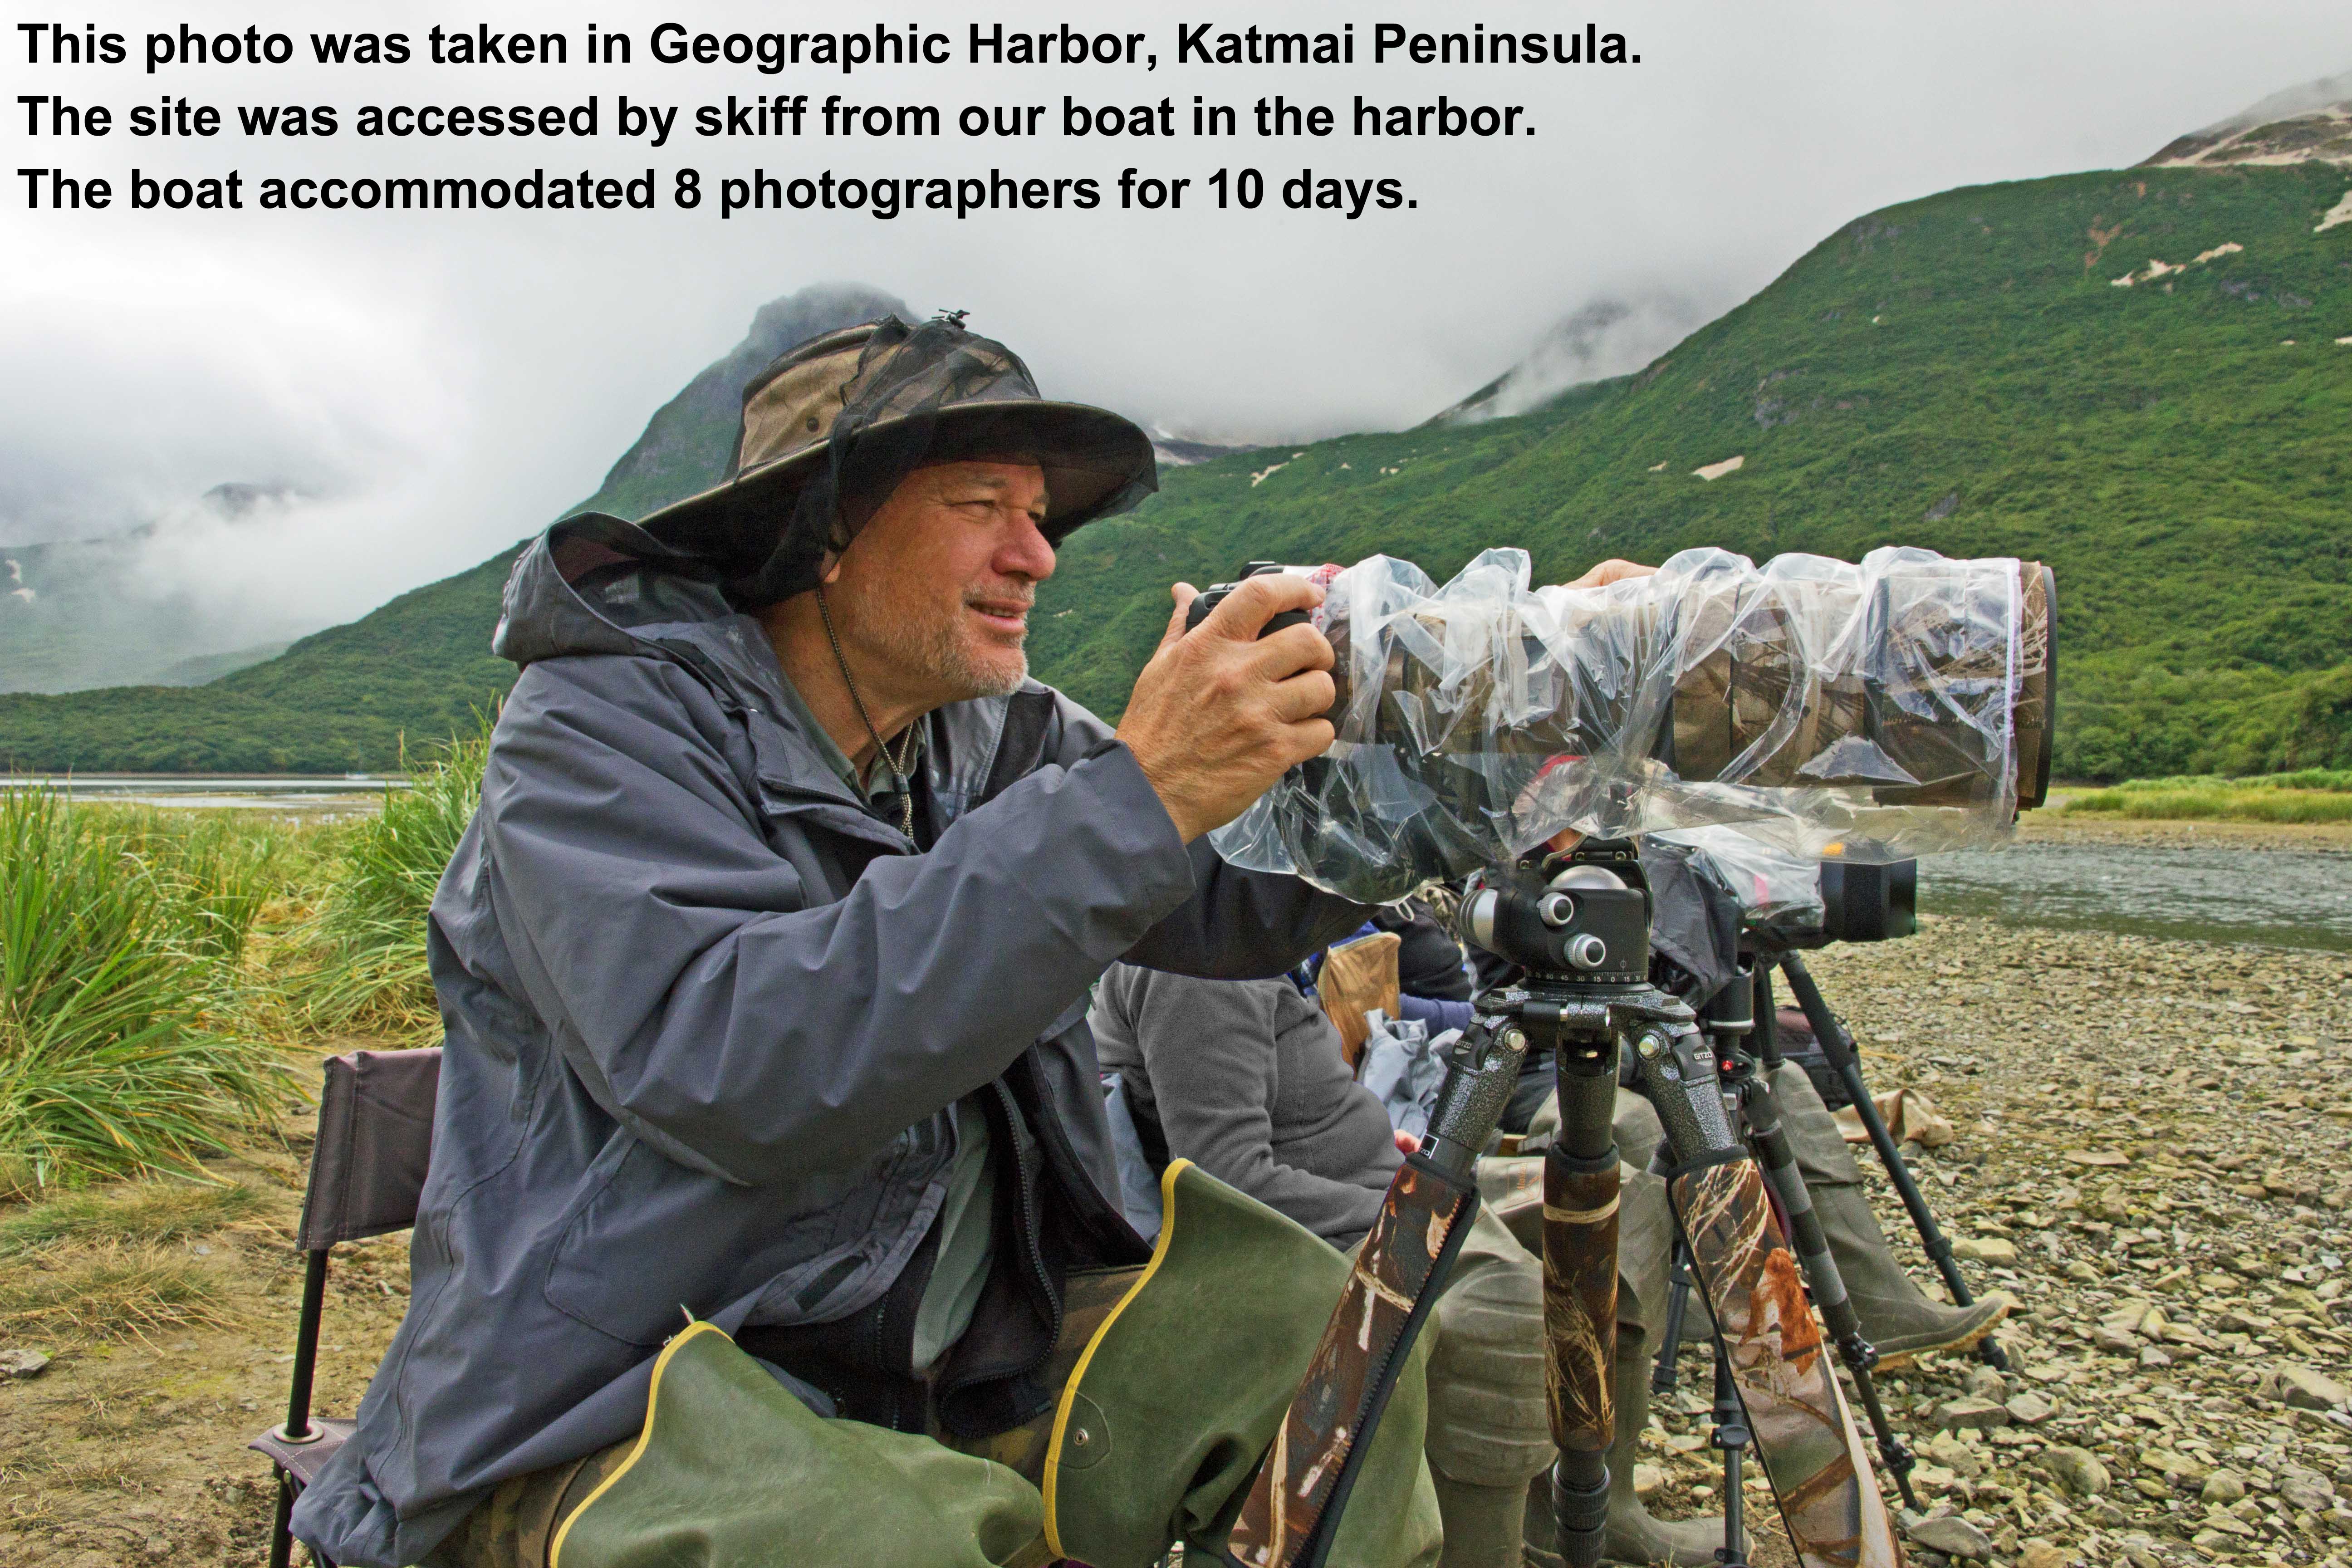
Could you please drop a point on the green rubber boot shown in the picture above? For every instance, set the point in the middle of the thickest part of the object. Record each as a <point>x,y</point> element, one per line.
<point>1482,1523</point>
<point>1488,1430</point>
<point>1896,1317</point>
<point>1632,1537</point>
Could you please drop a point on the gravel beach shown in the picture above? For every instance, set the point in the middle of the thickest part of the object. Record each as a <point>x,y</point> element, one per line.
<point>2151,1159</point>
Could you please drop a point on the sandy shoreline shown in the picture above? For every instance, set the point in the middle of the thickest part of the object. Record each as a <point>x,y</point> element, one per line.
<point>2057,828</point>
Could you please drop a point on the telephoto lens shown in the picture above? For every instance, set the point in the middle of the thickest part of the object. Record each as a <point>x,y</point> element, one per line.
<point>1903,703</point>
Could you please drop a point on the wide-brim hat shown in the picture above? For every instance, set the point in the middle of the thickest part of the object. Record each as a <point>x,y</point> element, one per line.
<point>830,427</point>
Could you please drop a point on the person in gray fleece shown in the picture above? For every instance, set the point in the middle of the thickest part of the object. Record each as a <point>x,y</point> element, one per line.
<point>1246,1079</point>
<point>1247,1082</point>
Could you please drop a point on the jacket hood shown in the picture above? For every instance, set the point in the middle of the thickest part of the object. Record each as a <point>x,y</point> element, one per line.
<point>595,584</point>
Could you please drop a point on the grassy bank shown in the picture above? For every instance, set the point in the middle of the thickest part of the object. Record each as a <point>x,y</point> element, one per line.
<point>365,945</point>
<point>161,973</point>
<point>2310,796</point>
<point>132,1035</point>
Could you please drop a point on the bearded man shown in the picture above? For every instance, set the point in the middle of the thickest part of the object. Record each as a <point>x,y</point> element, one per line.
<point>771,1205</point>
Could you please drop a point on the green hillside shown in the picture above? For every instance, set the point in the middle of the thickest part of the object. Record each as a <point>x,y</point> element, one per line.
<point>345,700</point>
<point>1961,372</point>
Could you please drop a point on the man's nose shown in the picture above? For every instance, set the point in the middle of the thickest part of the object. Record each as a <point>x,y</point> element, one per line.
<point>1024,551</point>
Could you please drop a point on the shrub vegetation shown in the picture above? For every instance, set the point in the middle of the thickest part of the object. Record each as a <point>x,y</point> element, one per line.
<point>367,939</point>
<point>2308,795</point>
<point>125,1044</point>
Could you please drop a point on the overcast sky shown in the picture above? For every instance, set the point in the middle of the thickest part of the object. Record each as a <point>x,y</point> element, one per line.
<point>446,384</point>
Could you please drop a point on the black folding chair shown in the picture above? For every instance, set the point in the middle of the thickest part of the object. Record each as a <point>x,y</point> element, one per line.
<point>375,1135</point>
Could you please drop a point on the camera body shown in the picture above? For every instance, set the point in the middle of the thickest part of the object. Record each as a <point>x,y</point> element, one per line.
<point>1215,593</point>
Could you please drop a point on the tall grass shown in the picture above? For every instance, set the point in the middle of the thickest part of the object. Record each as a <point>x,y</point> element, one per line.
<point>2312,795</point>
<point>118,993</point>
<point>2338,779</point>
<point>369,935</point>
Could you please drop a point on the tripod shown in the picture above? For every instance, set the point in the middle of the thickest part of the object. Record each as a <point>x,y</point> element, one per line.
<point>1580,934</point>
<point>1576,928</point>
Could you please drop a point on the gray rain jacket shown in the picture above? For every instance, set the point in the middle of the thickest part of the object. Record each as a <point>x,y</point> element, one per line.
<point>706,1012</point>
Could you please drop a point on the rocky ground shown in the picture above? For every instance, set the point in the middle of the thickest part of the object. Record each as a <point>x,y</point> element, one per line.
<point>2058,826</point>
<point>2152,1160</point>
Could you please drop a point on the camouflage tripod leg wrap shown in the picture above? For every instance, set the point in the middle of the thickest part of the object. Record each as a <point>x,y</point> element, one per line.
<point>1290,1517</point>
<point>1812,1452</point>
<point>1579,1255</point>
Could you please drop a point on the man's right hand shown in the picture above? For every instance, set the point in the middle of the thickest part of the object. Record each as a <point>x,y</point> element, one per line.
<point>1218,715</point>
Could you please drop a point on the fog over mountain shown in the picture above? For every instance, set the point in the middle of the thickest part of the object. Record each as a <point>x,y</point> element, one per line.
<point>142,606</point>
<point>1604,338</point>
<point>423,389</point>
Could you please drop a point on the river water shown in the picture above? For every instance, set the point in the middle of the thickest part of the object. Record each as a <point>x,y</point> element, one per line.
<point>2275,898</point>
<point>352,791</point>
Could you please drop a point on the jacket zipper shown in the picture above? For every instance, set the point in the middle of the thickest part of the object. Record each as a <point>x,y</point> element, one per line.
<point>1032,1252</point>
<point>1100,1216</point>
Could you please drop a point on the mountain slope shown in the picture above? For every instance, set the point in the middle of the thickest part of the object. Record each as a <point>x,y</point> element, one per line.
<point>2302,124</point>
<point>689,440</point>
<point>351,698</point>
<point>1971,371</point>
<point>2133,375</point>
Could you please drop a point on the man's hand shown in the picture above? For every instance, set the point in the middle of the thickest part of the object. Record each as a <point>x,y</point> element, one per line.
<point>1610,572</point>
<point>1217,715</point>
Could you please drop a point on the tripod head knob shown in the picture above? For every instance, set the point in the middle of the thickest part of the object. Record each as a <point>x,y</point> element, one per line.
<point>1582,924</point>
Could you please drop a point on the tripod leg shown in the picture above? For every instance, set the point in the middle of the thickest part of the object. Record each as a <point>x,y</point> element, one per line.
<point>1291,1514</point>
<point>1812,1454</point>
<point>1678,1293</point>
<point>1731,1436</point>
<point>1812,1249</point>
<point>1579,1250</point>
<point>1839,1047</point>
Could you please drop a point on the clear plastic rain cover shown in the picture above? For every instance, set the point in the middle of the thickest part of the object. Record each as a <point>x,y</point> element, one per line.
<point>1891,708</point>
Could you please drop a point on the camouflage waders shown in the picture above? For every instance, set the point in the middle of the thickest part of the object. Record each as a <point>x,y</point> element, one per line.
<point>1173,1377</point>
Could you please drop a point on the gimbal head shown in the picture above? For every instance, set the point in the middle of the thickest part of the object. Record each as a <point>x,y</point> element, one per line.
<point>1581,918</point>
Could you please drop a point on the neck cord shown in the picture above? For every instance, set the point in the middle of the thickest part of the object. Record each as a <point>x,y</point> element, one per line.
<point>898,764</point>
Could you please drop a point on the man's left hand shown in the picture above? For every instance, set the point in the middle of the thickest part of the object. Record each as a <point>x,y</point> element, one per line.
<point>1612,571</point>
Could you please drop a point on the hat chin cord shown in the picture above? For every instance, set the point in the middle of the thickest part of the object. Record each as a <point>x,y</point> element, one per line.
<point>898,765</point>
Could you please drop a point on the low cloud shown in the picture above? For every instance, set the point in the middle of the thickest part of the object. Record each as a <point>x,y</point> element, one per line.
<point>1599,338</point>
<point>417,391</point>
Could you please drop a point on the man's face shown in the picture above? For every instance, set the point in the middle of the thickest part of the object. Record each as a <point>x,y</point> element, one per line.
<point>936,589</point>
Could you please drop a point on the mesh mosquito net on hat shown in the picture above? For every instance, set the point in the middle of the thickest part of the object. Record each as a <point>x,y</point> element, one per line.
<point>924,395</point>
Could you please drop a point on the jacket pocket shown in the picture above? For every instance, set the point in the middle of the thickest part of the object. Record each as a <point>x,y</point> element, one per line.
<point>650,1242</point>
